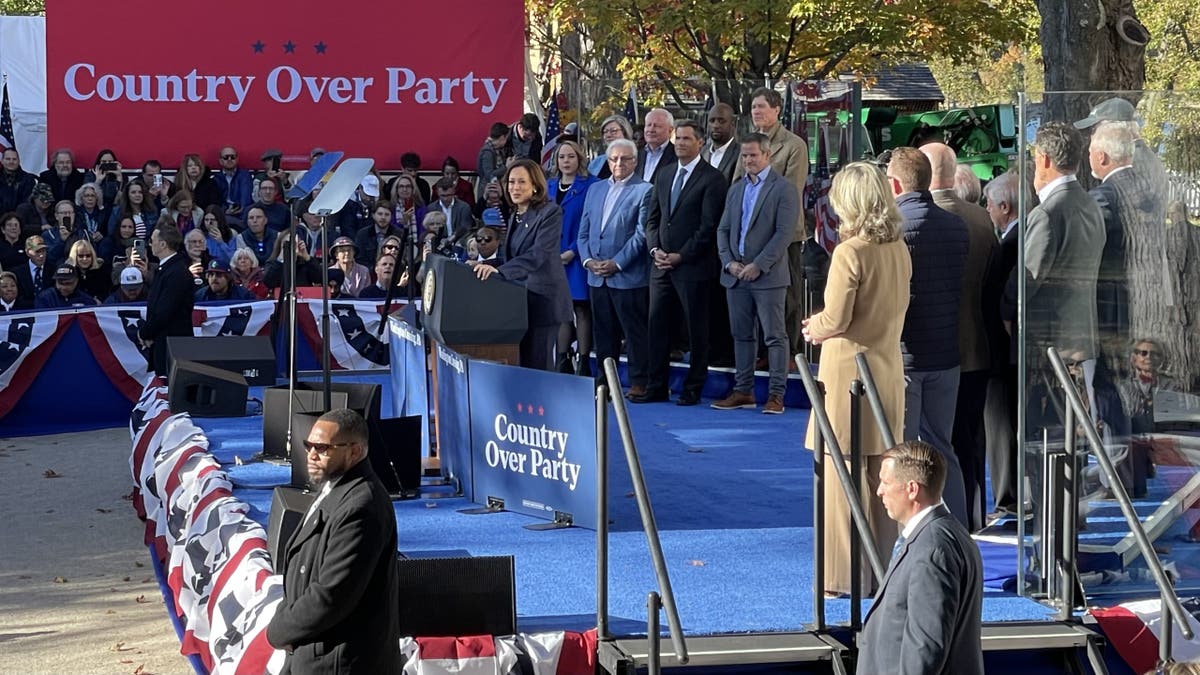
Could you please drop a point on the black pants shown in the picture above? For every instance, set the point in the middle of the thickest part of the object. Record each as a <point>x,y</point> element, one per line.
<point>537,347</point>
<point>694,298</point>
<point>1000,425</point>
<point>970,443</point>
<point>616,311</point>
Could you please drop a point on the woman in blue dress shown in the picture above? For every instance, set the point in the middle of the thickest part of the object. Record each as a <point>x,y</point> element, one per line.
<point>568,189</point>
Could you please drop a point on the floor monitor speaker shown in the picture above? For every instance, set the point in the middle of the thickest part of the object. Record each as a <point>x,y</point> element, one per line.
<point>204,391</point>
<point>442,597</point>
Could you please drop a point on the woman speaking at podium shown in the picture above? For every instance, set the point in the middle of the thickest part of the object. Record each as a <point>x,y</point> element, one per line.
<point>531,258</point>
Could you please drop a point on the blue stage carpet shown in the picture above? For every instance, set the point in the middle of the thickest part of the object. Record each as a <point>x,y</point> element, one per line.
<point>733,502</point>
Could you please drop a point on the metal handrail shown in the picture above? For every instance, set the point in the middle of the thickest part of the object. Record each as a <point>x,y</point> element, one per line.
<point>1165,588</point>
<point>646,511</point>
<point>839,464</point>
<point>868,382</point>
<point>602,628</point>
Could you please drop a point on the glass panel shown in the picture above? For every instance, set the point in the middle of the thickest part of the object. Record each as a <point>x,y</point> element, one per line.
<point>1111,282</point>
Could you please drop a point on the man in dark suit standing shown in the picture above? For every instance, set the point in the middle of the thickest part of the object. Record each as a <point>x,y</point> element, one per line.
<point>341,607</point>
<point>169,304</point>
<point>1000,409</point>
<point>681,234</point>
<point>612,245</point>
<point>658,152</point>
<point>1110,156</point>
<point>721,152</point>
<point>967,437</point>
<point>926,616</point>
<point>756,227</point>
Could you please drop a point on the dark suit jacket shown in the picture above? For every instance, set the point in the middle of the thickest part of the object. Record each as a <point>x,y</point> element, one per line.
<point>998,305</point>
<point>729,161</point>
<point>25,289</point>
<point>1112,290</point>
<point>531,257</point>
<point>340,609</point>
<point>927,614</point>
<point>771,228</point>
<point>168,309</point>
<point>62,189</point>
<point>462,220</point>
<point>981,241</point>
<point>667,159</point>
<point>691,229</point>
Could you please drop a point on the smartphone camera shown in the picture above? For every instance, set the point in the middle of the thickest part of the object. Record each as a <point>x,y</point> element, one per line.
<point>108,166</point>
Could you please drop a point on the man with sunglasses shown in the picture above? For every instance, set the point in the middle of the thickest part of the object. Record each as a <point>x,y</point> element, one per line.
<point>487,243</point>
<point>236,185</point>
<point>340,611</point>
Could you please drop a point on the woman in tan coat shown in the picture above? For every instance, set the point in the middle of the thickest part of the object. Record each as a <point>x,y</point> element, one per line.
<point>866,298</point>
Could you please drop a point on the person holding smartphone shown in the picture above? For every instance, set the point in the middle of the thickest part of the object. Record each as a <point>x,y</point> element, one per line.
<point>106,173</point>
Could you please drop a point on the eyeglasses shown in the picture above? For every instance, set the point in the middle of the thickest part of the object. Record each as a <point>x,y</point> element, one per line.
<point>391,247</point>
<point>484,240</point>
<point>228,156</point>
<point>622,159</point>
<point>323,449</point>
<point>1145,352</point>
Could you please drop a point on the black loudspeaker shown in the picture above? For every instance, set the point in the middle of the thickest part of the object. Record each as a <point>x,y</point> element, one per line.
<point>443,597</point>
<point>275,413</point>
<point>204,391</point>
<point>288,506</point>
<point>252,356</point>
<point>302,423</point>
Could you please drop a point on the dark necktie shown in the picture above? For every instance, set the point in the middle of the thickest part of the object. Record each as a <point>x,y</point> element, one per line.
<point>37,279</point>
<point>678,186</point>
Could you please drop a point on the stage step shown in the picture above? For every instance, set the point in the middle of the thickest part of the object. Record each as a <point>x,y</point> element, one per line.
<point>628,655</point>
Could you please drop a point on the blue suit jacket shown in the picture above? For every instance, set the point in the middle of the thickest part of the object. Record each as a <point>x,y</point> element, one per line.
<point>623,240</point>
<point>572,208</point>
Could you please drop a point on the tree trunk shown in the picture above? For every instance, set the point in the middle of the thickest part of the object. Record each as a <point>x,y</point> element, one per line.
<point>1084,51</point>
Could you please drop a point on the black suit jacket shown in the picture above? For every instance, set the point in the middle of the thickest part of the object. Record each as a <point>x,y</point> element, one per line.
<point>668,158</point>
<point>341,606</point>
<point>25,289</point>
<point>691,229</point>
<point>168,309</point>
<point>62,189</point>
<point>531,257</point>
<point>1000,302</point>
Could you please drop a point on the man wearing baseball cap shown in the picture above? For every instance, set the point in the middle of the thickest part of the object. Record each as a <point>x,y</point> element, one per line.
<point>132,288</point>
<point>65,292</point>
<point>219,287</point>
<point>33,277</point>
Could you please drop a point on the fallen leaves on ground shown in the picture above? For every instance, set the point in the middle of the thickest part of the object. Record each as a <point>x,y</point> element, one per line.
<point>120,647</point>
<point>138,563</point>
<point>51,473</point>
<point>124,578</point>
<point>141,599</point>
<point>60,580</point>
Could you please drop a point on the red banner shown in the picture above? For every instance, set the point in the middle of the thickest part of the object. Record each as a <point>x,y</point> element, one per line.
<point>156,82</point>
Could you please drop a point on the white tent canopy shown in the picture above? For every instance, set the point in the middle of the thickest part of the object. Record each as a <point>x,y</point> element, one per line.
<point>23,61</point>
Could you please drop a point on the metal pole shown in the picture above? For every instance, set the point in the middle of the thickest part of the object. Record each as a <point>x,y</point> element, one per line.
<point>1164,640</point>
<point>653,637</point>
<point>872,391</point>
<point>325,377</point>
<point>644,508</point>
<point>839,464</point>
<point>602,512</point>
<point>1048,497</point>
<point>1022,464</point>
<point>290,286</point>
<point>1170,600</point>
<point>1066,571</point>
<point>819,534</point>
<point>856,546</point>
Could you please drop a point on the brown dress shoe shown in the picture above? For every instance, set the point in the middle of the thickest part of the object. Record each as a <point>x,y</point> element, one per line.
<point>636,391</point>
<point>774,405</point>
<point>736,399</point>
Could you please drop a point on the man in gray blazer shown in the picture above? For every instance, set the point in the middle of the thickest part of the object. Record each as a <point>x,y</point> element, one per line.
<point>612,245</point>
<point>1064,241</point>
<point>927,613</point>
<point>761,211</point>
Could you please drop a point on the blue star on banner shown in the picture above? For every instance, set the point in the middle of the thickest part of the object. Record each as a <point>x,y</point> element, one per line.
<point>289,47</point>
<point>258,46</point>
<point>320,47</point>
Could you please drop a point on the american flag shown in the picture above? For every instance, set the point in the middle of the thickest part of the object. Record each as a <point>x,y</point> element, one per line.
<point>6,123</point>
<point>552,132</point>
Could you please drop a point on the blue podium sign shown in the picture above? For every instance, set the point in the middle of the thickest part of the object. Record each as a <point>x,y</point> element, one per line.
<point>410,392</point>
<point>533,436</point>
<point>453,415</point>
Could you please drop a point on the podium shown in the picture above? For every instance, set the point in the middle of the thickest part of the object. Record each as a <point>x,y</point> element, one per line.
<point>480,319</point>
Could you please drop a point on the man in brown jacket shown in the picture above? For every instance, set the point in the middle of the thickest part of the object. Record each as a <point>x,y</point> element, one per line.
<point>967,437</point>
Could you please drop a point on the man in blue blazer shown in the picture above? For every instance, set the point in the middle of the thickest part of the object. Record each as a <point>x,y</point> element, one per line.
<point>612,244</point>
<point>927,614</point>
<point>761,211</point>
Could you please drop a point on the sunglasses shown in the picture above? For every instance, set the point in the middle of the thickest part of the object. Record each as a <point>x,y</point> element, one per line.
<point>484,240</point>
<point>323,449</point>
<point>228,156</point>
<point>392,247</point>
<point>1145,352</point>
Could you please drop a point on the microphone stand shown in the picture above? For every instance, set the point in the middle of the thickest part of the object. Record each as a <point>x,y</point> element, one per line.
<point>391,291</point>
